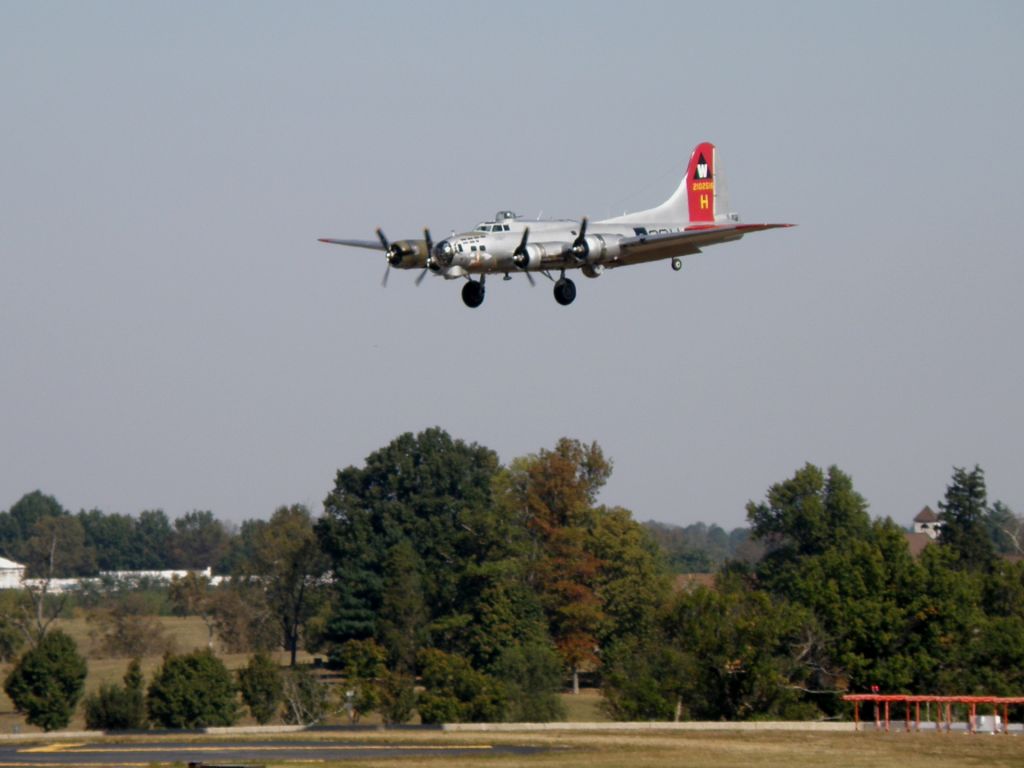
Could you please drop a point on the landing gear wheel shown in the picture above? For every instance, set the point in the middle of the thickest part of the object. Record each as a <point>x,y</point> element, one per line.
<point>565,291</point>
<point>473,293</point>
<point>677,263</point>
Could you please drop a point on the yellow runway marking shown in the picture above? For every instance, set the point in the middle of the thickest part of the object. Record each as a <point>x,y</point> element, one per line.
<point>59,747</point>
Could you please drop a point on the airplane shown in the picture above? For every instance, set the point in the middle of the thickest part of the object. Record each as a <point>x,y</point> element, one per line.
<point>695,216</point>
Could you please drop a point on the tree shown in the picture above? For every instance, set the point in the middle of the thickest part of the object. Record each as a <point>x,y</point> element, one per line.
<point>647,679</point>
<point>632,582</point>
<point>287,563</point>
<point>124,626</point>
<point>56,548</point>
<point>403,613</point>
<point>363,662</point>
<point>193,690</point>
<point>964,515</point>
<point>262,687</point>
<point>306,698</point>
<point>1005,529</point>
<point>113,539</point>
<point>191,595</point>
<point>807,515</point>
<point>198,541</point>
<point>738,646</point>
<point>557,490</point>
<point>154,540</point>
<point>428,489</point>
<point>48,681</point>
<point>16,525</point>
<point>118,708</point>
<point>397,698</point>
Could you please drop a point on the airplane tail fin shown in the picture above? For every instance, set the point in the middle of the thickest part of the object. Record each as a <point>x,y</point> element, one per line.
<point>701,175</point>
<point>700,198</point>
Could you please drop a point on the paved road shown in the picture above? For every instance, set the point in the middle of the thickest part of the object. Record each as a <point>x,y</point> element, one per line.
<point>231,753</point>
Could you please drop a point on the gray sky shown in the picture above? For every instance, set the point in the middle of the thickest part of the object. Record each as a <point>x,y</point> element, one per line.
<point>173,335</point>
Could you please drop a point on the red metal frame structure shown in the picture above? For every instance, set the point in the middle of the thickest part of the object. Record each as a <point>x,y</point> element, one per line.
<point>943,703</point>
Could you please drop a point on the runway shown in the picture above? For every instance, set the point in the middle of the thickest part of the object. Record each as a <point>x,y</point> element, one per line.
<point>149,753</point>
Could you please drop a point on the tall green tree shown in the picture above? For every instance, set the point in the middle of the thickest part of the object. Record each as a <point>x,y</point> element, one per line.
<point>198,541</point>
<point>287,563</point>
<point>963,515</point>
<point>429,490</point>
<point>48,681</point>
<point>154,540</point>
<point>17,524</point>
<point>113,538</point>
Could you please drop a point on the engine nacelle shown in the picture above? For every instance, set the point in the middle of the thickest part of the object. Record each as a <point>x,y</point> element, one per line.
<point>536,253</point>
<point>408,254</point>
<point>592,270</point>
<point>599,248</point>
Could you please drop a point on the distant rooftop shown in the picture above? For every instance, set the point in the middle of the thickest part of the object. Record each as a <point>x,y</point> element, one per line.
<point>926,515</point>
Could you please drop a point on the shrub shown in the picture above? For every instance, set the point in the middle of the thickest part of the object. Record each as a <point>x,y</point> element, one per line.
<point>262,687</point>
<point>193,690</point>
<point>118,708</point>
<point>457,693</point>
<point>47,682</point>
<point>397,698</point>
<point>533,675</point>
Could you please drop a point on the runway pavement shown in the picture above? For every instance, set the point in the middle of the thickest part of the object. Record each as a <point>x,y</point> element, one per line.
<point>149,753</point>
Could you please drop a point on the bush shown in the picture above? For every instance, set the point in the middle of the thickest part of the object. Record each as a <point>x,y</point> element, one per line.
<point>118,708</point>
<point>47,682</point>
<point>457,693</point>
<point>397,698</point>
<point>533,675</point>
<point>194,690</point>
<point>262,687</point>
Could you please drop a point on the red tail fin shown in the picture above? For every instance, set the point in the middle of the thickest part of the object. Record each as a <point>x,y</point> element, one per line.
<point>700,181</point>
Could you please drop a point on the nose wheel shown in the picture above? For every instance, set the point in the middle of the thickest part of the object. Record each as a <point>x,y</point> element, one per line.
<point>677,263</point>
<point>473,294</point>
<point>565,291</point>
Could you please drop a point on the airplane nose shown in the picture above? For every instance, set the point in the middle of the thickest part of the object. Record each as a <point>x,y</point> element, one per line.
<point>444,252</point>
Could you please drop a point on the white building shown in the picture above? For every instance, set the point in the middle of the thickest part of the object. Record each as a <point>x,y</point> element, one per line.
<point>11,574</point>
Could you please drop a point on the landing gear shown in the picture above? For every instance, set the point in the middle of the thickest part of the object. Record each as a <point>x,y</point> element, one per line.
<point>473,293</point>
<point>677,263</point>
<point>565,291</point>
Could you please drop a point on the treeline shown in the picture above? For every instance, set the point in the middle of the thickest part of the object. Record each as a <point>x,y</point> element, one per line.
<point>836,605</point>
<point>702,548</point>
<point>491,587</point>
<point>93,541</point>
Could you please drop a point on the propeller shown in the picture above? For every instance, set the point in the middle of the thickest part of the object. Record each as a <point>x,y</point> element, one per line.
<point>520,257</point>
<point>430,255</point>
<point>579,246</point>
<point>392,253</point>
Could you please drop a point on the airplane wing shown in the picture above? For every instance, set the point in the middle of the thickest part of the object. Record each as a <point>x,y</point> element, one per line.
<point>652,247</point>
<point>374,244</point>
